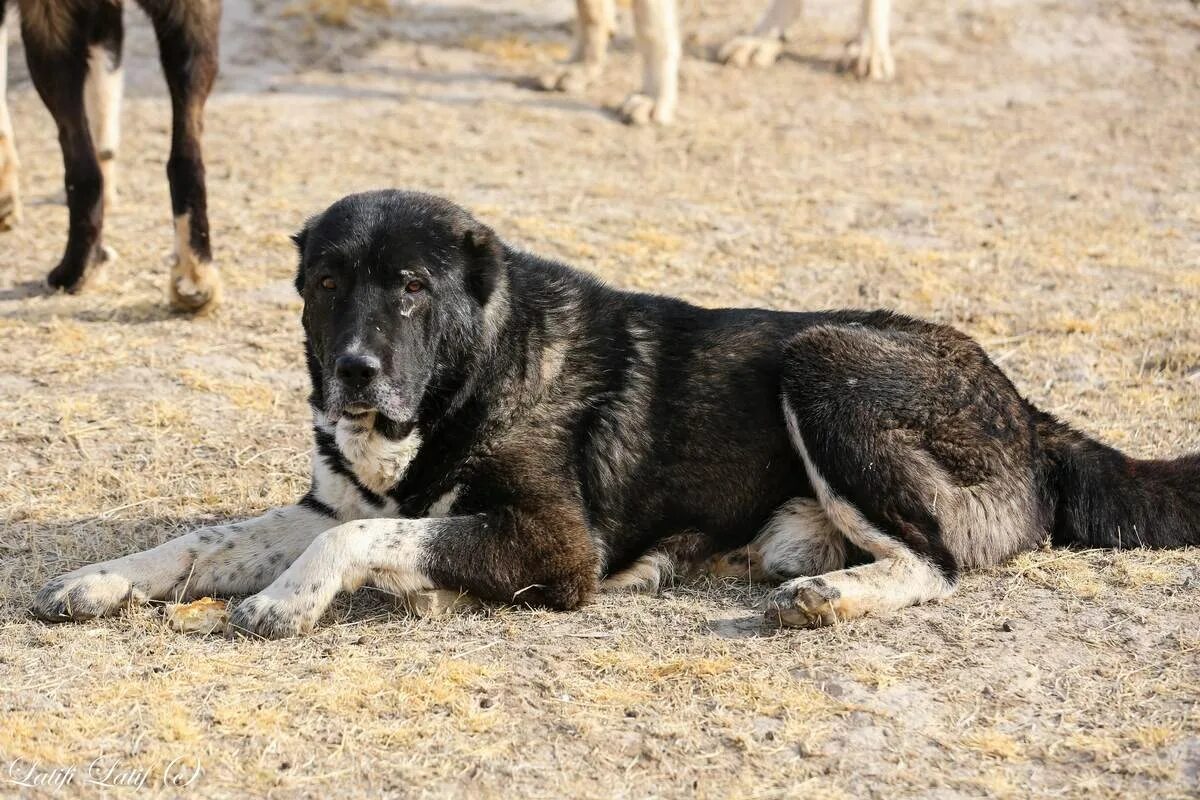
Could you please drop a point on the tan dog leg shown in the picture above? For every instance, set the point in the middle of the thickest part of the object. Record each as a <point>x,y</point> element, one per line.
<point>870,56</point>
<point>594,27</point>
<point>658,42</point>
<point>10,198</point>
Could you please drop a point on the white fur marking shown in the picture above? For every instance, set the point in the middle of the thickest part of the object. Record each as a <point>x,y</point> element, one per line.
<point>377,461</point>
<point>441,507</point>
<point>102,100</point>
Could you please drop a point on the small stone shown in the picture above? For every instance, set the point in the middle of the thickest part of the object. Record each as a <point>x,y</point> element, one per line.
<point>1007,626</point>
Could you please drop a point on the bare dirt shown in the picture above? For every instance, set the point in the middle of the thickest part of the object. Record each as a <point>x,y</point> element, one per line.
<point>1033,176</point>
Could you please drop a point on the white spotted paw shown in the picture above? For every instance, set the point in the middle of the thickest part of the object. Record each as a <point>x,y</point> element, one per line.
<point>85,594</point>
<point>803,603</point>
<point>750,51</point>
<point>570,78</point>
<point>642,109</point>
<point>274,617</point>
<point>869,61</point>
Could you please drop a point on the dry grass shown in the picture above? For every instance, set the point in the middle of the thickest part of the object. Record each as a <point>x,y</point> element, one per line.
<point>1031,177</point>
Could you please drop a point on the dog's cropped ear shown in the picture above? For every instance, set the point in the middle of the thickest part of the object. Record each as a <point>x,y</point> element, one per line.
<point>300,239</point>
<point>485,260</point>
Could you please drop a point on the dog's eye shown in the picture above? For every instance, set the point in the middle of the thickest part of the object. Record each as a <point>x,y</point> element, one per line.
<point>412,287</point>
<point>328,283</point>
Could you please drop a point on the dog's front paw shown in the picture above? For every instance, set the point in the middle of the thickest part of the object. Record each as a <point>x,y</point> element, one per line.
<point>750,51</point>
<point>804,603</point>
<point>642,109</point>
<point>85,594</point>
<point>570,78</point>
<point>869,60</point>
<point>272,617</point>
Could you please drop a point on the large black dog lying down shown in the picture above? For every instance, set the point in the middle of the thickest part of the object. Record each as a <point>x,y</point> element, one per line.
<point>490,421</point>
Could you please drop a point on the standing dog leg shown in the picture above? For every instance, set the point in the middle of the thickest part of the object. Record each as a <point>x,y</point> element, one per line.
<point>10,197</point>
<point>56,50</point>
<point>228,559</point>
<point>870,55</point>
<point>187,43</point>
<point>658,42</point>
<point>594,27</point>
<point>102,95</point>
<point>761,47</point>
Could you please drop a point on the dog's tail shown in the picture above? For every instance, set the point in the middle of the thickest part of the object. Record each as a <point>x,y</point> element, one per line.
<point>1103,498</point>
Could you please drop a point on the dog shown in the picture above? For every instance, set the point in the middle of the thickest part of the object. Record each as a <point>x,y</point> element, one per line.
<point>489,421</point>
<point>656,26</point>
<point>73,48</point>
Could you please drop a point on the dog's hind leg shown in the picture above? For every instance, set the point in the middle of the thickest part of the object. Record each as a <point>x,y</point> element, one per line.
<point>103,90</point>
<point>762,46</point>
<point>595,23</point>
<point>870,55</point>
<point>10,196</point>
<point>56,38</point>
<point>187,42</point>
<point>920,451</point>
<point>232,559</point>
<point>901,574</point>
<point>846,397</point>
<point>658,41</point>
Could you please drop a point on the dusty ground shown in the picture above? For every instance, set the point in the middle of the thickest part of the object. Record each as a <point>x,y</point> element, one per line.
<point>1032,177</point>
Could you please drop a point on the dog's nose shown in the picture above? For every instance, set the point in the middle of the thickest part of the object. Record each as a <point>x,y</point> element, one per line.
<point>356,370</point>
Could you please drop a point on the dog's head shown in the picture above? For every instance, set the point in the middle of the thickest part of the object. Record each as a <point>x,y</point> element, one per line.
<point>395,285</point>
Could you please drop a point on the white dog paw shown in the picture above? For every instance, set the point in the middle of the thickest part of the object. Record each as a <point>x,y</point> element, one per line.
<point>84,595</point>
<point>869,61</point>
<point>274,617</point>
<point>570,78</point>
<point>642,109</point>
<point>750,51</point>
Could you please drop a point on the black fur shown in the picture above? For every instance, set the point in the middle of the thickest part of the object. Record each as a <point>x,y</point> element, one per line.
<point>1103,498</point>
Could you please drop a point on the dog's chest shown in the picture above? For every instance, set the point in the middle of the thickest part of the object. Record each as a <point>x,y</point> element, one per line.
<point>377,461</point>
